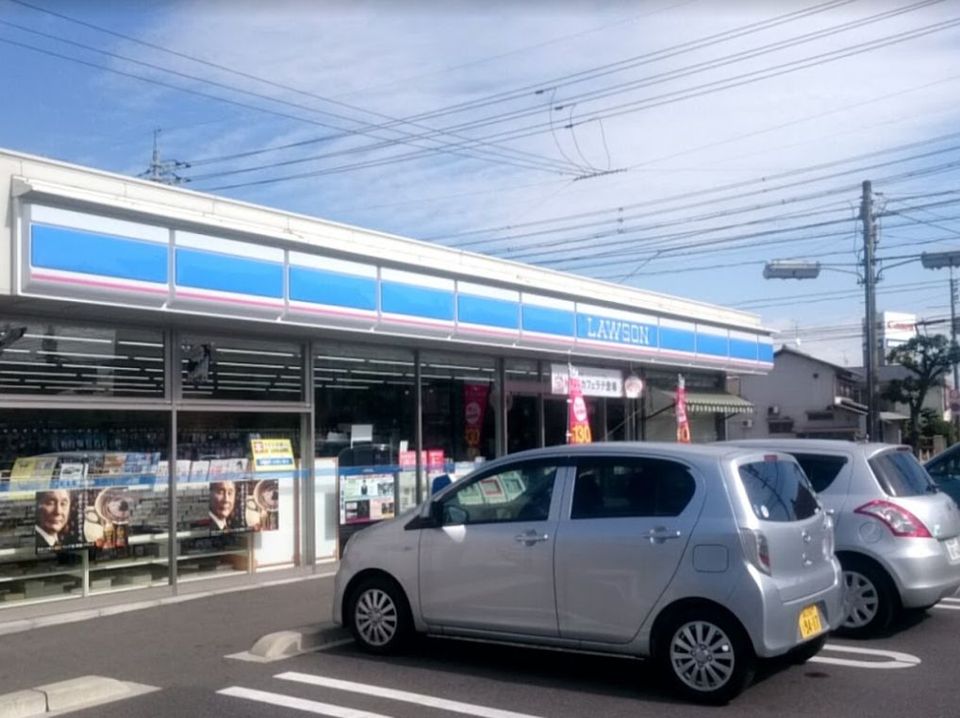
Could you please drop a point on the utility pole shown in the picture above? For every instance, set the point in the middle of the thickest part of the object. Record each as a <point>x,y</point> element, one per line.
<point>953,322</point>
<point>870,291</point>
<point>162,171</point>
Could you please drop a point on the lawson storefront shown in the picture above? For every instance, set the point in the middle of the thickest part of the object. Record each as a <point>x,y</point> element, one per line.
<point>199,390</point>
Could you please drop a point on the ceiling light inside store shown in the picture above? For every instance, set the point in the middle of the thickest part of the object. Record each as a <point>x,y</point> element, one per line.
<point>20,372</point>
<point>253,352</point>
<point>390,362</point>
<point>82,355</point>
<point>120,378</point>
<point>455,367</point>
<point>377,372</point>
<point>160,359</point>
<point>355,360</point>
<point>347,386</point>
<point>255,366</point>
<point>63,338</point>
<point>111,367</point>
<point>152,345</point>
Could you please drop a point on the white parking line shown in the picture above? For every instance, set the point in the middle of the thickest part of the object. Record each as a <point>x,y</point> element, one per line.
<point>895,659</point>
<point>949,604</point>
<point>404,696</point>
<point>300,704</point>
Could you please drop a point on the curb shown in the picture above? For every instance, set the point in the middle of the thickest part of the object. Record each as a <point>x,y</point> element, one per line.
<point>287,644</point>
<point>87,614</point>
<point>69,695</point>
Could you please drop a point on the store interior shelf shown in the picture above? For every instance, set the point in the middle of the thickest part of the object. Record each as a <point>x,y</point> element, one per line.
<point>37,575</point>
<point>212,554</point>
<point>209,576</point>
<point>127,563</point>
<point>121,589</point>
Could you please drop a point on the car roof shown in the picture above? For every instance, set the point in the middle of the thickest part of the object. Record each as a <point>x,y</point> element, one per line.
<point>949,451</point>
<point>867,448</point>
<point>717,450</point>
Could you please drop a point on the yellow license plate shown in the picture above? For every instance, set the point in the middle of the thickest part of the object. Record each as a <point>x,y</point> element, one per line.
<point>810,622</point>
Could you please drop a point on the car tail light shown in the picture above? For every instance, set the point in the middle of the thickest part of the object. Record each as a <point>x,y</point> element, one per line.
<point>900,521</point>
<point>757,549</point>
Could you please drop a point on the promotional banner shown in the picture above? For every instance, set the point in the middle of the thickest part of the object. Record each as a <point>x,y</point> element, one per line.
<point>593,381</point>
<point>272,455</point>
<point>578,421</point>
<point>683,424</point>
<point>474,409</point>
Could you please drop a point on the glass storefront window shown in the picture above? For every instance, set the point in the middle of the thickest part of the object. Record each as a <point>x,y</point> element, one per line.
<point>53,358</point>
<point>237,490</point>
<point>84,503</point>
<point>365,438</point>
<point>524,387</point>
<point>460,399</point>
<point>214,367</point>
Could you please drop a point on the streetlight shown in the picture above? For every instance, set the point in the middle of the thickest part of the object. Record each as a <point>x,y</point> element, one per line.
<point>791,269</point>
<point>939,260</point>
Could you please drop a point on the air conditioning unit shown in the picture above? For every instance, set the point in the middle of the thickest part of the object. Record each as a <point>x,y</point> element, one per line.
<point>747,423</point>
<point>773,410</point>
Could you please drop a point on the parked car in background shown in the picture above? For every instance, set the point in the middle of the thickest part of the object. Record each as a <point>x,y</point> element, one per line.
<point>705,558</point>
<point>944,469</point>
<point>898,535</point>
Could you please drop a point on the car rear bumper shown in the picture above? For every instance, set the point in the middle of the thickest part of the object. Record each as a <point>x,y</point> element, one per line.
<point>923,572</point>
<point>775,626</point>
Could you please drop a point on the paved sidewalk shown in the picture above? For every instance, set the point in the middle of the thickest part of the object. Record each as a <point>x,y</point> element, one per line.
<point>174,644</point>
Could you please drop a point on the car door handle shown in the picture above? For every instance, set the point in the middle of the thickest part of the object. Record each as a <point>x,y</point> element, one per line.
<point>661,534</point>
<point>530,538</point>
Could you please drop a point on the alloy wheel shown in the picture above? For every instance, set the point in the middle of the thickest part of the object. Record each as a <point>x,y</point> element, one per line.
<point>702,656</point>
<point>376,617</point>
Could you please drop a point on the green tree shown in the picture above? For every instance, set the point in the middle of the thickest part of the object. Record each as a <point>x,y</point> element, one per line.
<point>927,359</point>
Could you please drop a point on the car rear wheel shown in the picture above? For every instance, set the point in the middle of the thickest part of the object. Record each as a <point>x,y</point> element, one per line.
<point>870,601</point>
<point>379,616</point>
<point>706,656</point>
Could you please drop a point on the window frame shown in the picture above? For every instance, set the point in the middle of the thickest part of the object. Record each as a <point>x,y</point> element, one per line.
<point>561,464</point>
<point>612,460</point>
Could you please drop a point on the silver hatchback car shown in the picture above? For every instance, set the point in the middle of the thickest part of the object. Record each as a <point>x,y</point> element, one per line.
<point>898,536</point>
<point>704,557</point>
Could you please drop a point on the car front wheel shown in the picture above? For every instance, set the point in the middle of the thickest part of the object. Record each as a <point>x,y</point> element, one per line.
<point>379,616</point>
<point>706,656</point>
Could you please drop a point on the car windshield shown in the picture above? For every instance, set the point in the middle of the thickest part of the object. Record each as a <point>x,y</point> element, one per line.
<point>778,490</point>
<point>900,474</point>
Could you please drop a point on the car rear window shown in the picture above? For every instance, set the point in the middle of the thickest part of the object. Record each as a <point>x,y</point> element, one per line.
<point>900,474</point>
<point>778,491</point>
<point>821,470</point>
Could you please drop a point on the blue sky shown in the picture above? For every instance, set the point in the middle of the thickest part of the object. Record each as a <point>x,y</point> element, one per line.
<point>673,145</point>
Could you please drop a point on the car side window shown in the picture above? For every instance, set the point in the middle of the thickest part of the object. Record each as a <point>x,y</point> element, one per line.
<point>521,492</point>
<point>630,487</point>
<point>821,470</point>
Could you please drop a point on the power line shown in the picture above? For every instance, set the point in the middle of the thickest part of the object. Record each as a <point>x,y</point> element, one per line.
<point>224,68</point>
<point>616,110</point>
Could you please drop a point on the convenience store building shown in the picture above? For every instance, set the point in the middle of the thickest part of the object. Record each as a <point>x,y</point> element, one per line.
<point>198,389</point>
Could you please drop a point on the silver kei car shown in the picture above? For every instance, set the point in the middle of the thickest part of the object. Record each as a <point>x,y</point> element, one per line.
<point>898,535</point>
<point>705,558</point>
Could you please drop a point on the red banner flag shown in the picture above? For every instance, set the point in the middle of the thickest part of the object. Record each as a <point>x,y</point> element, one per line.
<point>578,422</point>
<point>474,410</point>
<point>683,424</point>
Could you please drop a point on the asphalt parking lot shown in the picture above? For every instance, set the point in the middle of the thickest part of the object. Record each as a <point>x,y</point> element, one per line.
<point>909,672</point>
<point>183,650</point>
